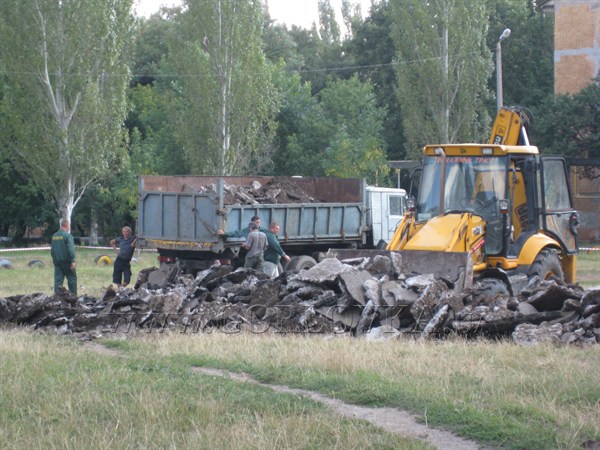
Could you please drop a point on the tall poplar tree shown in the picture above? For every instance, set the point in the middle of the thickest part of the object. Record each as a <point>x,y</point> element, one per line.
<point>442,69</point>
<point>65,97</point>
<point>224,100</point>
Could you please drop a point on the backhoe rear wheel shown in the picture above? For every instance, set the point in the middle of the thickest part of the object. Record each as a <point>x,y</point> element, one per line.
<point>546,266</point>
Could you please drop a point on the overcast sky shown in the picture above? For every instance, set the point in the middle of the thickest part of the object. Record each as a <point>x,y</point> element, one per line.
<point>297,12</point>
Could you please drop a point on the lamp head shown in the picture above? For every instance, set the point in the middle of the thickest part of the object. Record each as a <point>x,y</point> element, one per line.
<point>504,35</point>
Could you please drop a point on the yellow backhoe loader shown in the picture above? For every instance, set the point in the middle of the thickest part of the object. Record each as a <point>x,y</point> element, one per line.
<point>496,214</point>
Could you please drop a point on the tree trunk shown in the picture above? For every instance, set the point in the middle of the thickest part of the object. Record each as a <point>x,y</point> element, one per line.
<point>94,225</point>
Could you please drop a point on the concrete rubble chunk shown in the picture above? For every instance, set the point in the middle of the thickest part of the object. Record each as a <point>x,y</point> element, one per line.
<point>394,293</point>
<point>372,290</point>
<point>526,308</point>
<point>352,283</point>
<point>437,322</point>
<point>425,307</point>
<point>326,271</point>
<point>420,281</point>
<point>552,297</point>
<point>367,317</point>
<point>529,334</point>
<point>382,333</point>
<point>331,297</point>
<point>348,317</point>
<point>380,265</point>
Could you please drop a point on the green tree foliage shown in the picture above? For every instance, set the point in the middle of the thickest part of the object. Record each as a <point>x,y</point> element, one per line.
<point>321,49</point>
<point>329,29</point>
<point>571,124</point>
<point>302,132</point>
<point>337,134</point>
<point>151,46</point>
<point>21,202</point>
<point>66,76</point>
<point>527,55</point>
<point>442,69</point>
<point>278,45</point>
<point>372,50</point>
<point>155,147</point>
<point>355,147</point>
<point>223,103</point>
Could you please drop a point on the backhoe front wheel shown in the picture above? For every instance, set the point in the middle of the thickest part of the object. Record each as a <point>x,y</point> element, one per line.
<point>487,290</point>
<point>547,266</point>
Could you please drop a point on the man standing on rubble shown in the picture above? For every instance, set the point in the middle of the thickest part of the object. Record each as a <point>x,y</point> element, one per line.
<point>122,265</point>
<point>274,252</point>
<point>63,257</point>
<point>256,244</point>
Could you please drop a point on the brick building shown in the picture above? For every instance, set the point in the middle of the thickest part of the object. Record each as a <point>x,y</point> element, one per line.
<point>576,44</point>
<point>576,64</point>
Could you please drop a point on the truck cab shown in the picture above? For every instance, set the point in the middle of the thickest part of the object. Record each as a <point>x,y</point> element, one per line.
<point>387,206</point>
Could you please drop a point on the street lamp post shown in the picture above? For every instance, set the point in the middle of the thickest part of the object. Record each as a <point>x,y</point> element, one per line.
<point>504,35</point>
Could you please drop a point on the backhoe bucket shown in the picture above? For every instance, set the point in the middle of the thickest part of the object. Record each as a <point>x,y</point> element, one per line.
<point>456,267</point>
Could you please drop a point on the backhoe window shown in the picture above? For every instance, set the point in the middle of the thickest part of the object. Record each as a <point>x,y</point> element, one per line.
<point>472,184</point>
<point>556,186</point>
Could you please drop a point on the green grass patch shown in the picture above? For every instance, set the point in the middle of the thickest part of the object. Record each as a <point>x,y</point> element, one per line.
<point>57,394</point>
<point>498,393</point>
<point>92,278</point>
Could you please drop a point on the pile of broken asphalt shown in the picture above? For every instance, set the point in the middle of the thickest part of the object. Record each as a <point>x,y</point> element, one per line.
<point>359,297</point>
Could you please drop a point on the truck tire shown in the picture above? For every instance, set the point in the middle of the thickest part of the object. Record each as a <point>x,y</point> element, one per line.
<point>546,266</point>
<point>487,289</point>
<point>299,263</point>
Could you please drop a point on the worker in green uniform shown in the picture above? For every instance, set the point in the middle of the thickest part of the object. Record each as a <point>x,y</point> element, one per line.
<point>274,252</point>
<point>63,257</point>
<point>243,232</point>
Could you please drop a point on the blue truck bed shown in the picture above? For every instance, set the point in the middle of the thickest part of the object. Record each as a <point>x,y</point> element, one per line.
<point>178,214</point>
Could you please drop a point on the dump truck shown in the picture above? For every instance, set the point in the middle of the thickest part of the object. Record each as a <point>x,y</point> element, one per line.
<point>490,215</point>
<point>180,216</point>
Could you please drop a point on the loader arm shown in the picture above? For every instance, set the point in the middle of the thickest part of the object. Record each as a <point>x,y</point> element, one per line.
<point>404,231</point>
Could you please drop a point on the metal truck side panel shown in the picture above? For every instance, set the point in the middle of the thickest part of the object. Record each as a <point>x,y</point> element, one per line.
<point>178,216</point>
<point>310,222</point>
<point>177,213</point>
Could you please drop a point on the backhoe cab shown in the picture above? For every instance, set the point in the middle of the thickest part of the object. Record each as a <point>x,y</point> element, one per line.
<point>506,211</point>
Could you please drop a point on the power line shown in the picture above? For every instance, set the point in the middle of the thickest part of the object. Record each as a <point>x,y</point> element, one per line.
<point>300,71</point>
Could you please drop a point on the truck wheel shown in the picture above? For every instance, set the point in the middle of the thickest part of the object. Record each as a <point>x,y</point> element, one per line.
<point>546,266</point>
<point>487,289</point>
<point>299,263</point>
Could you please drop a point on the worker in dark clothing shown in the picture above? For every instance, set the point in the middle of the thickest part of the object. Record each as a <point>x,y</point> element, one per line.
<point>63,257</point>
<point>122,266</point>
<point>243,233</point>
<point>256,244</point>
<point>274,252</point>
